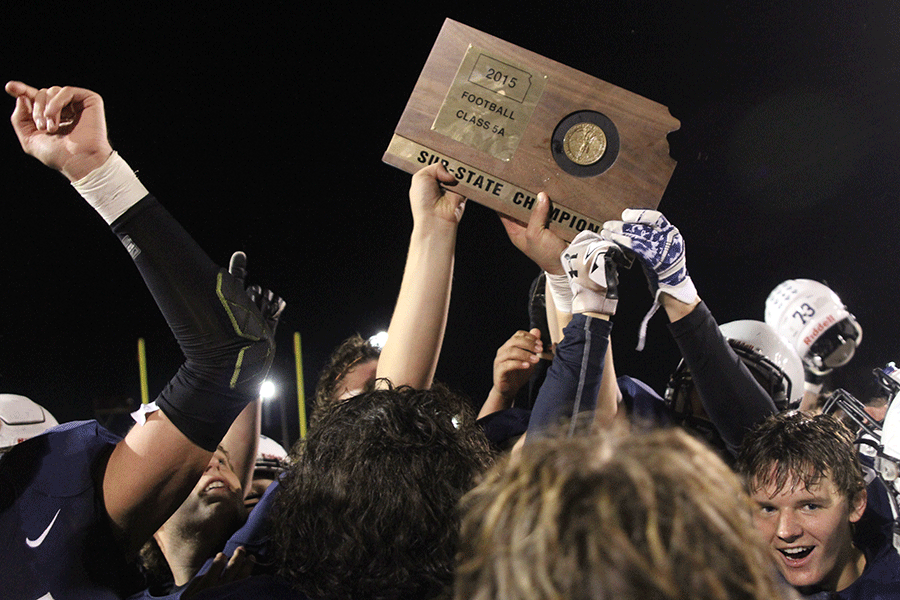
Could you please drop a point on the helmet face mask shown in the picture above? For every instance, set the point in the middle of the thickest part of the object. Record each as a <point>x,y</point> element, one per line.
<point>888,379</point>
<point>879,440</point>
<point>271,457</point>
<point>772,379</point>
<point>836,346</point>
<point>685,407</point>
<point>778,385</point>
<point>769,358</point>
<point>678,393</point>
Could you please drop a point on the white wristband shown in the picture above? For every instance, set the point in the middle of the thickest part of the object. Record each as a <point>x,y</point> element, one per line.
<point>111,188</point>
<point>560,291</point>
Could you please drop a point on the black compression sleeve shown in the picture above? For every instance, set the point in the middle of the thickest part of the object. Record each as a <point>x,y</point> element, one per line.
<point>732,398</point>
<point>226,343</point>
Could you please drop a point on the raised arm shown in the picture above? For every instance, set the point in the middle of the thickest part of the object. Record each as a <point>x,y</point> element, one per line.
<point>63,127</point>
<point>226,342</point>
<point>731,397</point>
<point>242,439</point>
<point>545,248</point>
<point>610,395</point>
<point>417,326</point>
<point>537,242</point>
<point>573,382</point>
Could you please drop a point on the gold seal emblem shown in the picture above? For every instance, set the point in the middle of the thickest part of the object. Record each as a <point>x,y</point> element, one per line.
<point>584,143</point>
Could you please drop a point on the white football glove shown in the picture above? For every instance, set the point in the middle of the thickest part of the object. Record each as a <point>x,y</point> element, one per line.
<point>590,264</point>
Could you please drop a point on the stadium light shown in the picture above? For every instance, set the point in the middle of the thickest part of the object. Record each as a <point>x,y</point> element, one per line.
<point>267,390</point>
<point>378,340</point>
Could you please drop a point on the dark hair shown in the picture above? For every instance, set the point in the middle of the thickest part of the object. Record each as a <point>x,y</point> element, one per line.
<point>155,567</point>
<point>601,517</point>
<point>796,447</point>
<point>351,352</point>
<point>368,509</point>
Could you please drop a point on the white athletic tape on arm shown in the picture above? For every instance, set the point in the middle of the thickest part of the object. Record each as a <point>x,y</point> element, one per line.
<point>111,188</point>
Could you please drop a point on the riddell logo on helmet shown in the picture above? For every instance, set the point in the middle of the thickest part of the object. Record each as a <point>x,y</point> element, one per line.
<point>818,329</point>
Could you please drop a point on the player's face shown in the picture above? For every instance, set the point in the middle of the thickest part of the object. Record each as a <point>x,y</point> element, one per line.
<point>218,495</point>
<point>219,480</point>
<point>215,505</point>
<point>359,379</point>
<point>809,533</point>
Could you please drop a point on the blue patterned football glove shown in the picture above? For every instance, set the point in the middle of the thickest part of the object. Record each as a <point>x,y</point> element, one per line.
<point>659,247</point>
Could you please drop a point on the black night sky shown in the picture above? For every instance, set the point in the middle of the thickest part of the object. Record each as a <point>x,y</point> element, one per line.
<point>261,126</point>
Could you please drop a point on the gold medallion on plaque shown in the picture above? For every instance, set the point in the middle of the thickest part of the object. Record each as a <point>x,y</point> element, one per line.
<point>584,143</point>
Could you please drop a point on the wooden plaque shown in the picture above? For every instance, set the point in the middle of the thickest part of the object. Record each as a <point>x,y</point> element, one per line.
<point>509,123</point>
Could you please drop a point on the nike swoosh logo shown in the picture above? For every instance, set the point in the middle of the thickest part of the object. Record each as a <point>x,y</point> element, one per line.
<point>40,540</point>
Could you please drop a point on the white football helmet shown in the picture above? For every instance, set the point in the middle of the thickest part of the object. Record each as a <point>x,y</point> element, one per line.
<point>761,349</point>
<point>270,456</point>
<point>21,419</point>
<point>888,379</point>
<point>815,321</point>
<point>770,359</point>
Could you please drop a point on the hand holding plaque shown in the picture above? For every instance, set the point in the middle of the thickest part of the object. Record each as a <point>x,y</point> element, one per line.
<point>508,123</point>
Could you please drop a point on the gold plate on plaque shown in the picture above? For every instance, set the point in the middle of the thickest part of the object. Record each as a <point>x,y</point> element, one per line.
<point>489,103</point>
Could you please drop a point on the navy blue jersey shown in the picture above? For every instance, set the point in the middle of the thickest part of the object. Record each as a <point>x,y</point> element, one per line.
<point>56,540</point>
<point>262,587</point>
<point>573,380</point>
<point>269,587</point>
<point>644,406</point>
<point>873,534</point>
<point>254,536</point>
<point>504,426</point>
